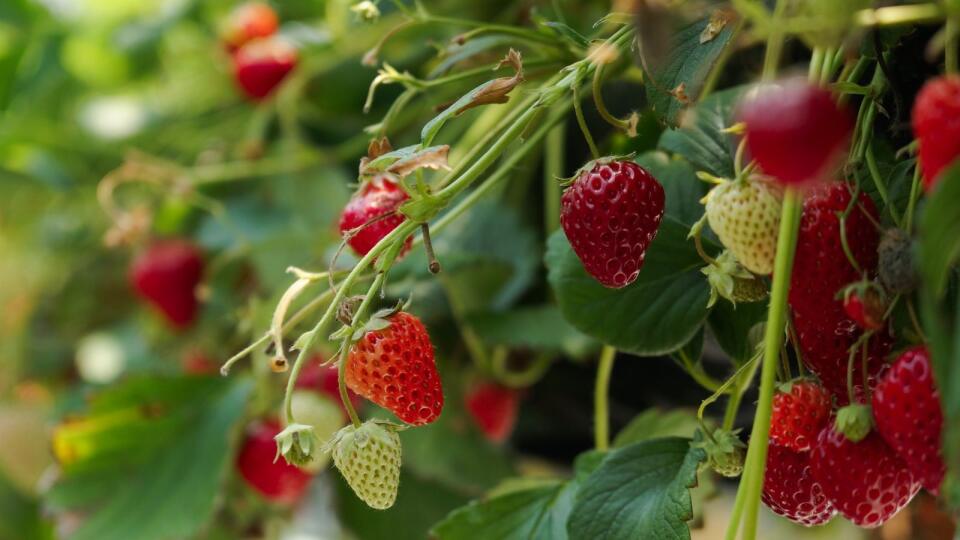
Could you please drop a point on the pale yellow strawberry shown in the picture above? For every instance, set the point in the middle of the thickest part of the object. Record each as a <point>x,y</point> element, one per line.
<point>745,215</point>
<point>368,457</point>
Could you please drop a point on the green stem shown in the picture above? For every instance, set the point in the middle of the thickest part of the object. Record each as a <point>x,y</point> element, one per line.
<point>914,195</point>
<point>601,415</point>
<point>342,385</point>
<point>771,57</point>
<point>776,319</point>
<point>881,186</point>
<point>553,170</point>
<point>582,122</point>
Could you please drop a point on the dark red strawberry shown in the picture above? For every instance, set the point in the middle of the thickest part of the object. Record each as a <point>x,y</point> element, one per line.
<point>324,379</point>
<point>821,270</point>
<point>196,362</point>
<point>800,410</point>
<point>166,275</point>
<point>377,197</point>
<point>395,368</point>
<point>273,478</point>
<point>262,64</point>
<point>865,481</point>
<point>247,22</point>
<point>790,490</point>
<point>494,409</point>
<point>935,125</point>
<point>611,214</point>
<point>906,409</point>
<point>777,116</point>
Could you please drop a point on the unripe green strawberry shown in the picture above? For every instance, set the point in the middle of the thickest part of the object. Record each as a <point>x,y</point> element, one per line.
<point>745,214</point>
<point>368,457</point>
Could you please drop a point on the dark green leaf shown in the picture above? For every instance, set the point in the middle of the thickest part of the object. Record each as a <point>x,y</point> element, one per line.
<point>538,513</point>
<point>940,231</point>
<point>657,423</point>
<point>20,516</point>
<point>655,315</point>
<point>699,139</point>
<point>682,189</point>
<point>731,325</point>
<point>640,492</point>
<point>676,82</point>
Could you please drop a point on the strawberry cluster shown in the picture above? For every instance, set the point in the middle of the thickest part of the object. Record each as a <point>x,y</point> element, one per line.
<point>261,59</point>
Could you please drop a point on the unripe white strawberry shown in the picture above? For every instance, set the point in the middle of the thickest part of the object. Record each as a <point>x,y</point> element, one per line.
<point>745,214</point>
<point>368,457</point>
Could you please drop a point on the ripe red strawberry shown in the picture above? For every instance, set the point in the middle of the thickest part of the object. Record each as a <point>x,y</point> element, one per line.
<point>935,126</point>
<point>778,116</point>
<point>247,22</point>
<point>324,380</point>
<point>866,481</point>
<point>611,214</point>
<point>820,270</point>
<point>273,478</point>
<point>376,197</point>
<point>800,411</point>
<point>906,408</point>
<point>394,368</point>
<point>262,64</point>
<point>166,275</point>
<point>865,307</point>
<point>790,490</point>
<point>494,409</point>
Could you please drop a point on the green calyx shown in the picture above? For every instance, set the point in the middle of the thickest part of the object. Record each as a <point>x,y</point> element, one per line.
<point>854,422</point>
<point>298,444</point>
<point>729,279</point>
<point>725,452</point>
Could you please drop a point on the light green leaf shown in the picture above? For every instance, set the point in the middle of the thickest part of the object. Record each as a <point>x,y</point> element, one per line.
<point>657,423</point>
<point>639,492</point>
<point>939,227</point>
<point>731,327</point>
<point>539,328</point>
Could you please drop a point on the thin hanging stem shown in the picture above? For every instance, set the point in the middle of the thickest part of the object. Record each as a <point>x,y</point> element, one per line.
<point>581,121</point>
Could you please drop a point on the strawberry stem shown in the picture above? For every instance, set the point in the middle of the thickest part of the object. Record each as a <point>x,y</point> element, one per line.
<point>582,122</point>
<point>748,495</point>
<point>601,416</point>
<point>432,263</point>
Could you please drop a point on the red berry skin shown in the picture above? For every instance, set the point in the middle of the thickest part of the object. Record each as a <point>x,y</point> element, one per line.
<point>863,312</point>
<point>395,369</point>
<point>324,380</point>
<point>799,415</point>
<point>865,481</point>
<point>790,490</point>
<point>936,125</point>
<point>275,479</point>
<point>906,408</point>
<point>248,22</point>
<point>494,409</point>
<point>779,116</point>
<point>610,214</point>
<point>166,275</point>
<point>377,196</point>
<point>261,65</point>
<point>820,270</point>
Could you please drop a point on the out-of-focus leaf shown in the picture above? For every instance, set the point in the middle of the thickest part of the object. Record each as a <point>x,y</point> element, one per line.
<point>639,491</point>
<point>731,327</point>
<point>938,250</point>
<point>657,423</point>
<point>20,516</point>
<point>699,138</point>
<point>568,33</point>
<point>168,490</point>
<point>537,513</point>
<point>539,328</point>
<point>674,83</point>
<point>682,189</point>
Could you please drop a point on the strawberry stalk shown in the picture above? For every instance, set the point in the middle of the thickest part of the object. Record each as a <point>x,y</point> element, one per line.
<point>601,416</point>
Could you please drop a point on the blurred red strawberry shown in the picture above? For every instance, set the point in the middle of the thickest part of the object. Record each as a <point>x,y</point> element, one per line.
<point>494,409</point>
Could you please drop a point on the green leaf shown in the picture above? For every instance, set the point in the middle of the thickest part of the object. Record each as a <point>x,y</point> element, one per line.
<point>939,247</point>
<point>731,326</point>
<point>172,493</point>
<point>939,229</point>
<point>538,328</point>
<point>682,189</point>
<point>538,513</point>
<point>657,423</point>
<point>566,32</point>
<point>690,61</point>
<point>700,140</point>
<point>640,491</point>
<point>656,314</point>
<point>20,516</point>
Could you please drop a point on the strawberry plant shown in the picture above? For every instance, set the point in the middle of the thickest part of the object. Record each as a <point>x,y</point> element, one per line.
<point>477,270</point>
